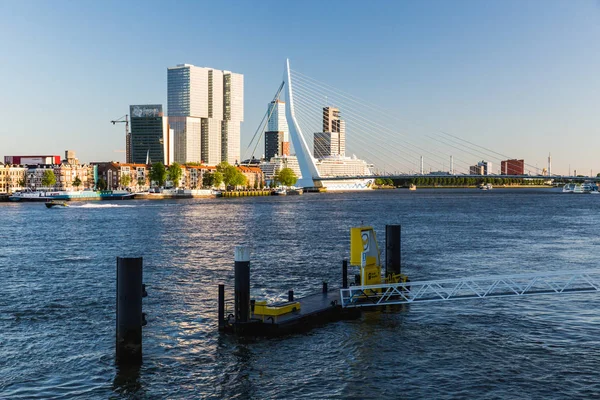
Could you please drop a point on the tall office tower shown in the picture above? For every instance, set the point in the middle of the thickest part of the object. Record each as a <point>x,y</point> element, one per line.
<point>332,141</point>
<point>326,144</point>
<point>273,144</point>
<point>277,121</point>
<point>205,108</point>
<point>233,115</point>
<point>333,123</point>
<point>331,119</point>
<point>149,139</point>
<point>277,135</point>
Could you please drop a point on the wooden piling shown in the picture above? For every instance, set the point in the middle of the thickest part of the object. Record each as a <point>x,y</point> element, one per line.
<point>242,284</point>
<point>130,318</point>
<point>393,249</point>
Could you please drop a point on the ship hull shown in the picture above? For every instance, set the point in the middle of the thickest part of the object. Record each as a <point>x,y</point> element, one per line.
<point>347,185</point>
<point>72,196</point>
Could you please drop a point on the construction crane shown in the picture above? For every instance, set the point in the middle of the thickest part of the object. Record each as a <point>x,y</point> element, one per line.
<point>125,119</point>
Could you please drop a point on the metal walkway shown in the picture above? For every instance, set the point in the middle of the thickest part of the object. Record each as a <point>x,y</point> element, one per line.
<point>472,288</point>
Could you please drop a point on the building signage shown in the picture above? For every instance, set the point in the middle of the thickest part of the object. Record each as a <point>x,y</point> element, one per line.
<point>146,111</point>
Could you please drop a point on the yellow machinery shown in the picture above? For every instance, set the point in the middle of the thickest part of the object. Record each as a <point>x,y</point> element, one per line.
<point>274,310</point>
<point>364,253</point>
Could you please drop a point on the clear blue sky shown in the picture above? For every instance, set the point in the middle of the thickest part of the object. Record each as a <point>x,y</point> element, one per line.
<point>521,77</point>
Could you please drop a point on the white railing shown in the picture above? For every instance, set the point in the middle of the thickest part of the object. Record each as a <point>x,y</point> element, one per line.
<point>472,288</point>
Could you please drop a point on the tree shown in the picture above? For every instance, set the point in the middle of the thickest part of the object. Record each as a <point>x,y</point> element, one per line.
<point>77,182</point>
<point>231,175</point>
<point>217,178</point>
<point>49,179</point>
<point>208,180</point>
<point>158,173</point>
<point>141,181</point>
<point>174,173</point>
<point>22,182</point>
<point>101,184</point>
<point>379,181</point>
<point>286,177</point>
<point>125,180</point>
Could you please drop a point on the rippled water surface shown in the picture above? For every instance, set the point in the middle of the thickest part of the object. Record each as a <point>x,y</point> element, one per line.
<point>57,298</point>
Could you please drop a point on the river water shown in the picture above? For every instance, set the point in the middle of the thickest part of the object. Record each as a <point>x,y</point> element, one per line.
<point>57,298</point>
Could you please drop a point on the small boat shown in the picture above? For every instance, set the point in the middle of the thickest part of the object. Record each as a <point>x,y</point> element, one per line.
<point>279,192</point>
<point>54,203</point>
<point>578,189</point>
<point>487,186</point>
<point>412,187</point>
<point>568,188</point>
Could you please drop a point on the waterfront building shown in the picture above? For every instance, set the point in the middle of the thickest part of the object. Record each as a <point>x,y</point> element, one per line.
<point>151,136</point>
<point>192,175</point>
<point>68,174</point>
<point>114,172</point>
<point>12,178</point>
<point>31,160</point>
<point>332,141</point>
<point>482,168</point>
<point>205,109</point>
<point>254,175</point>
<point>512,167</point>
<point>476,170</point>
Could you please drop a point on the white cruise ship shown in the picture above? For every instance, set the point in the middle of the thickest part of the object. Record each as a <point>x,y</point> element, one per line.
<point>340,166</point>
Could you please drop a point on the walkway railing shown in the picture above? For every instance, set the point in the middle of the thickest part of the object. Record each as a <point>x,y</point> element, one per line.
<point>472,288</point>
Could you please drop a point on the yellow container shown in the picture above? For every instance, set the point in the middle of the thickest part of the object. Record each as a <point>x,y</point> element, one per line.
<point>261,308</point>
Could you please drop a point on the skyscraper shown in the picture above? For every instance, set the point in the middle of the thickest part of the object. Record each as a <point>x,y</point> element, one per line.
<point>233,115</point>
<point>205,108</point>
<point>277,135</point>
<point>149,134</point>
<point>332,141</point>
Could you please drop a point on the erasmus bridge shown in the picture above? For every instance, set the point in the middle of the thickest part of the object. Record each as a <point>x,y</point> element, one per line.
<point>390,146</point>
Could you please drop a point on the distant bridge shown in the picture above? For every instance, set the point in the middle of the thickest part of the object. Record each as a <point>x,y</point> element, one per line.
<point>416,176</point>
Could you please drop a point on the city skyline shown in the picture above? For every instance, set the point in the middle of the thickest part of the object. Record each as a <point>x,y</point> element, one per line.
<point>518,78</point>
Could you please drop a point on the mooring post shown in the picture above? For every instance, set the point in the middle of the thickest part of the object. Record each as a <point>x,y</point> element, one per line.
<point>393,250</point>
<point>130,318</point>
<point>290,295</point>
<point>345,274</point>
<point>221,307</point>
<point>242,284</point>
<point>324,287</point>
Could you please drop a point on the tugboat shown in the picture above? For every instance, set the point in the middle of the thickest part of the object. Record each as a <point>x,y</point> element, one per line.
<point>54,203</point>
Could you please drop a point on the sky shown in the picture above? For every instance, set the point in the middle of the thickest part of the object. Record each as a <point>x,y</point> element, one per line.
<point>520,77</point>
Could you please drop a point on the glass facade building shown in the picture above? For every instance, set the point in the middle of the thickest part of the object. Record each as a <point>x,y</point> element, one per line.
<point>147,133</point>
<point>208,107</point>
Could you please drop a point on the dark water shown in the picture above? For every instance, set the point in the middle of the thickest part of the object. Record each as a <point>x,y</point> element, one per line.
<point>57,295</point>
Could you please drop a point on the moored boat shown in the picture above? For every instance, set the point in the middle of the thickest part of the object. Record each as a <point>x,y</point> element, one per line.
<point>85,195</point>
